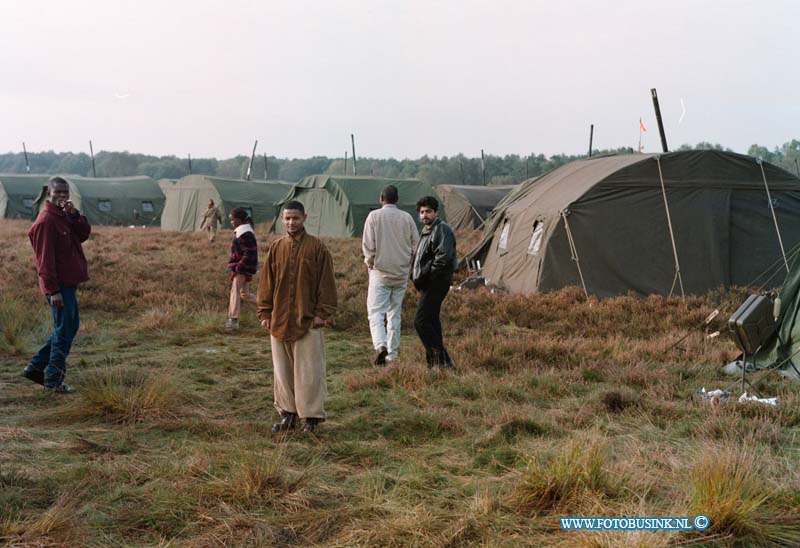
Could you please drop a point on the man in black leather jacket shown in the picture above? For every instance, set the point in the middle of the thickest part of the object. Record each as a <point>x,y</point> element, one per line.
<point>432,272</point>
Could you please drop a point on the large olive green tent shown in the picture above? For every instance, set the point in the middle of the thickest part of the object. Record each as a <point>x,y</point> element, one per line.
<point>338,205</point>
<point>18,194</point>
<point>188,198</point>
<point>115,200</point>
<point>608,225</point>
<point>468,206</point>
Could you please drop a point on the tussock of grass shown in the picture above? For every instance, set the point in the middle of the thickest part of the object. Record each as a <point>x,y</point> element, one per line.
<point>726,486</point>
<point>56,526</point>
<point>615,401</point>
<point>576,474</point>
<point>17,319</point>
<point>121,394</point>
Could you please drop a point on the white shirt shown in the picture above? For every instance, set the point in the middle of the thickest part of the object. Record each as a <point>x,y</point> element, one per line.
<point>389,240</point>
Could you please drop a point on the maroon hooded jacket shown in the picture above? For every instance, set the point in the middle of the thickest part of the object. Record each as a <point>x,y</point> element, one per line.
<point>56,239</point>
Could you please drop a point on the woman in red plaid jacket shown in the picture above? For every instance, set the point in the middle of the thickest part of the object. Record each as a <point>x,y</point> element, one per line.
<point>242,264</point>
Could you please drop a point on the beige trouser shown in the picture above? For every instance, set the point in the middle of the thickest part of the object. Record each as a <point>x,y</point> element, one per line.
<point>212,232</point>
<point>300,383</point>
<point>240,291</point>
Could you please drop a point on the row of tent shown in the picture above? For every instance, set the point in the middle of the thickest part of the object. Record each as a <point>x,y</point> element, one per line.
<point>337,205</point>
<point>687,221</point>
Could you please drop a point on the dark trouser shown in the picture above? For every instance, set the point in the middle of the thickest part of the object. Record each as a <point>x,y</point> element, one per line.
<point>52,356</point>
<point>428,324</point>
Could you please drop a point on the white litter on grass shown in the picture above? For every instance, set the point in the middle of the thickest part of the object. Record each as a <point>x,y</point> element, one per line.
<point>721,394</point>
<point>211,351</point>
<point>766,401</point>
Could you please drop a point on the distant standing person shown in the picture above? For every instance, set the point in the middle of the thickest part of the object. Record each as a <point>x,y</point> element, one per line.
<point>211,220</point>
<point>390,237</point>
<point>56,237</point>
<point>434,263</point>
<point>242,264</point>
<point>296,299</point>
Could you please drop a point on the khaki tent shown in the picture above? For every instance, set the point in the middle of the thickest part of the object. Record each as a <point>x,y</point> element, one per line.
<point>166,184</point>
<point>116,200</point>
<point>468,206</point>
<point>338,205</point>
<point>188,198</point>
<point>602,224</point>
<point>18,194</point>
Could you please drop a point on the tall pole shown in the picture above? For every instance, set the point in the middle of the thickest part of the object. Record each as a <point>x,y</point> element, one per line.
<point>344,171</point>
<point>660,122</point>
<point>591,136</point>
<point>190,164</point>
<point>91,151</point>
<point>483,167</point>
<point>252,157</point>
<point>28,165</point>
<point>353,142</point>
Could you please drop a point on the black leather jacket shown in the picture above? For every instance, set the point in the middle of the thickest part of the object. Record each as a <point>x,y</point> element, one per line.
<point>435,257</point>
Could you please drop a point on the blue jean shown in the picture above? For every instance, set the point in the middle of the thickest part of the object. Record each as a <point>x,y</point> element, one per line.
<point>52,356</point>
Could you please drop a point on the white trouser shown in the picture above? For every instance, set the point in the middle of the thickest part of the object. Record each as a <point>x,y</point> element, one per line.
<point>384,308</point>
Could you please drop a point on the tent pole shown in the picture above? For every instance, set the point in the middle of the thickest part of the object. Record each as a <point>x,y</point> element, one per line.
<point>28,165</point>
<point>353,143</point>
<point>774,218</point>
<point>678,278</point>
<point>574,251</point>
<point>250,165</point>
<point>91,151</point>
<point>591,136</point>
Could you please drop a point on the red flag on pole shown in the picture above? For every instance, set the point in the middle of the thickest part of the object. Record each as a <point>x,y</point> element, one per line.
<point>641,125</point>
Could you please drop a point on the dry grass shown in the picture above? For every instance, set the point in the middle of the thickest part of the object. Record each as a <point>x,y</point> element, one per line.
<point>559,405</point>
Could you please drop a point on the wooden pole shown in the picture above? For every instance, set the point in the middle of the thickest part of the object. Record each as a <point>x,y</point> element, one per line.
<point>660,122</point>
<point>353,142</point>
<point>91,151</point>
<point>591,136</point>
<point>252,157</point>
<point>28,165</point>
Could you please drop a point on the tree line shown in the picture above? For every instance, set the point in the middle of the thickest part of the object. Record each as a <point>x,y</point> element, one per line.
<point>459,169</point>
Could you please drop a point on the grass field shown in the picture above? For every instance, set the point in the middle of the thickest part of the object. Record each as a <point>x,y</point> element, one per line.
<point>559,406</point>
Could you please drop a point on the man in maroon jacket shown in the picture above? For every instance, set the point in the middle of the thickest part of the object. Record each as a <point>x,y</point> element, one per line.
<point>56,237</point>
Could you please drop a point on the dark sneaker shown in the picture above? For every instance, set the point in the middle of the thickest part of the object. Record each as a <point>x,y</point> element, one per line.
<point>311,425</point>
<point>60,389</point>
<point>380,356</point>
<point>32,374</point>
<point>287,421</point>
<point>232,324</point>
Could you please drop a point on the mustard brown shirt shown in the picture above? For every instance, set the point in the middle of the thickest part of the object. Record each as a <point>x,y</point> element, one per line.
<point>296,284</point>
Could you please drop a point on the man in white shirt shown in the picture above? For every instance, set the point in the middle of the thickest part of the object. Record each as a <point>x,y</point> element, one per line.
<point>390,238</point>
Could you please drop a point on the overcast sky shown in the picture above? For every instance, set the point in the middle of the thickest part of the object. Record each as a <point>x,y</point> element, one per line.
<point>407,77</point>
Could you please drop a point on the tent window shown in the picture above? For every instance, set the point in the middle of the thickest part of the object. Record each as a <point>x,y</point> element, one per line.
<point>147,207</point>
<point>502,245</point>
<point>104,206</point>
<point>536,238</point>
<point>27,203</point>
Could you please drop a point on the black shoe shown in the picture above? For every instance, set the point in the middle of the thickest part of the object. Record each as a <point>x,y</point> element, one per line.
<point>311,425</point>
<point>34,375</point>
<point>380,356</point>
<point>287,422</point>
<point>60,389</point>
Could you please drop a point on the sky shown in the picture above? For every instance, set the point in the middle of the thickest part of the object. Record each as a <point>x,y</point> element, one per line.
<point>407,77</point>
